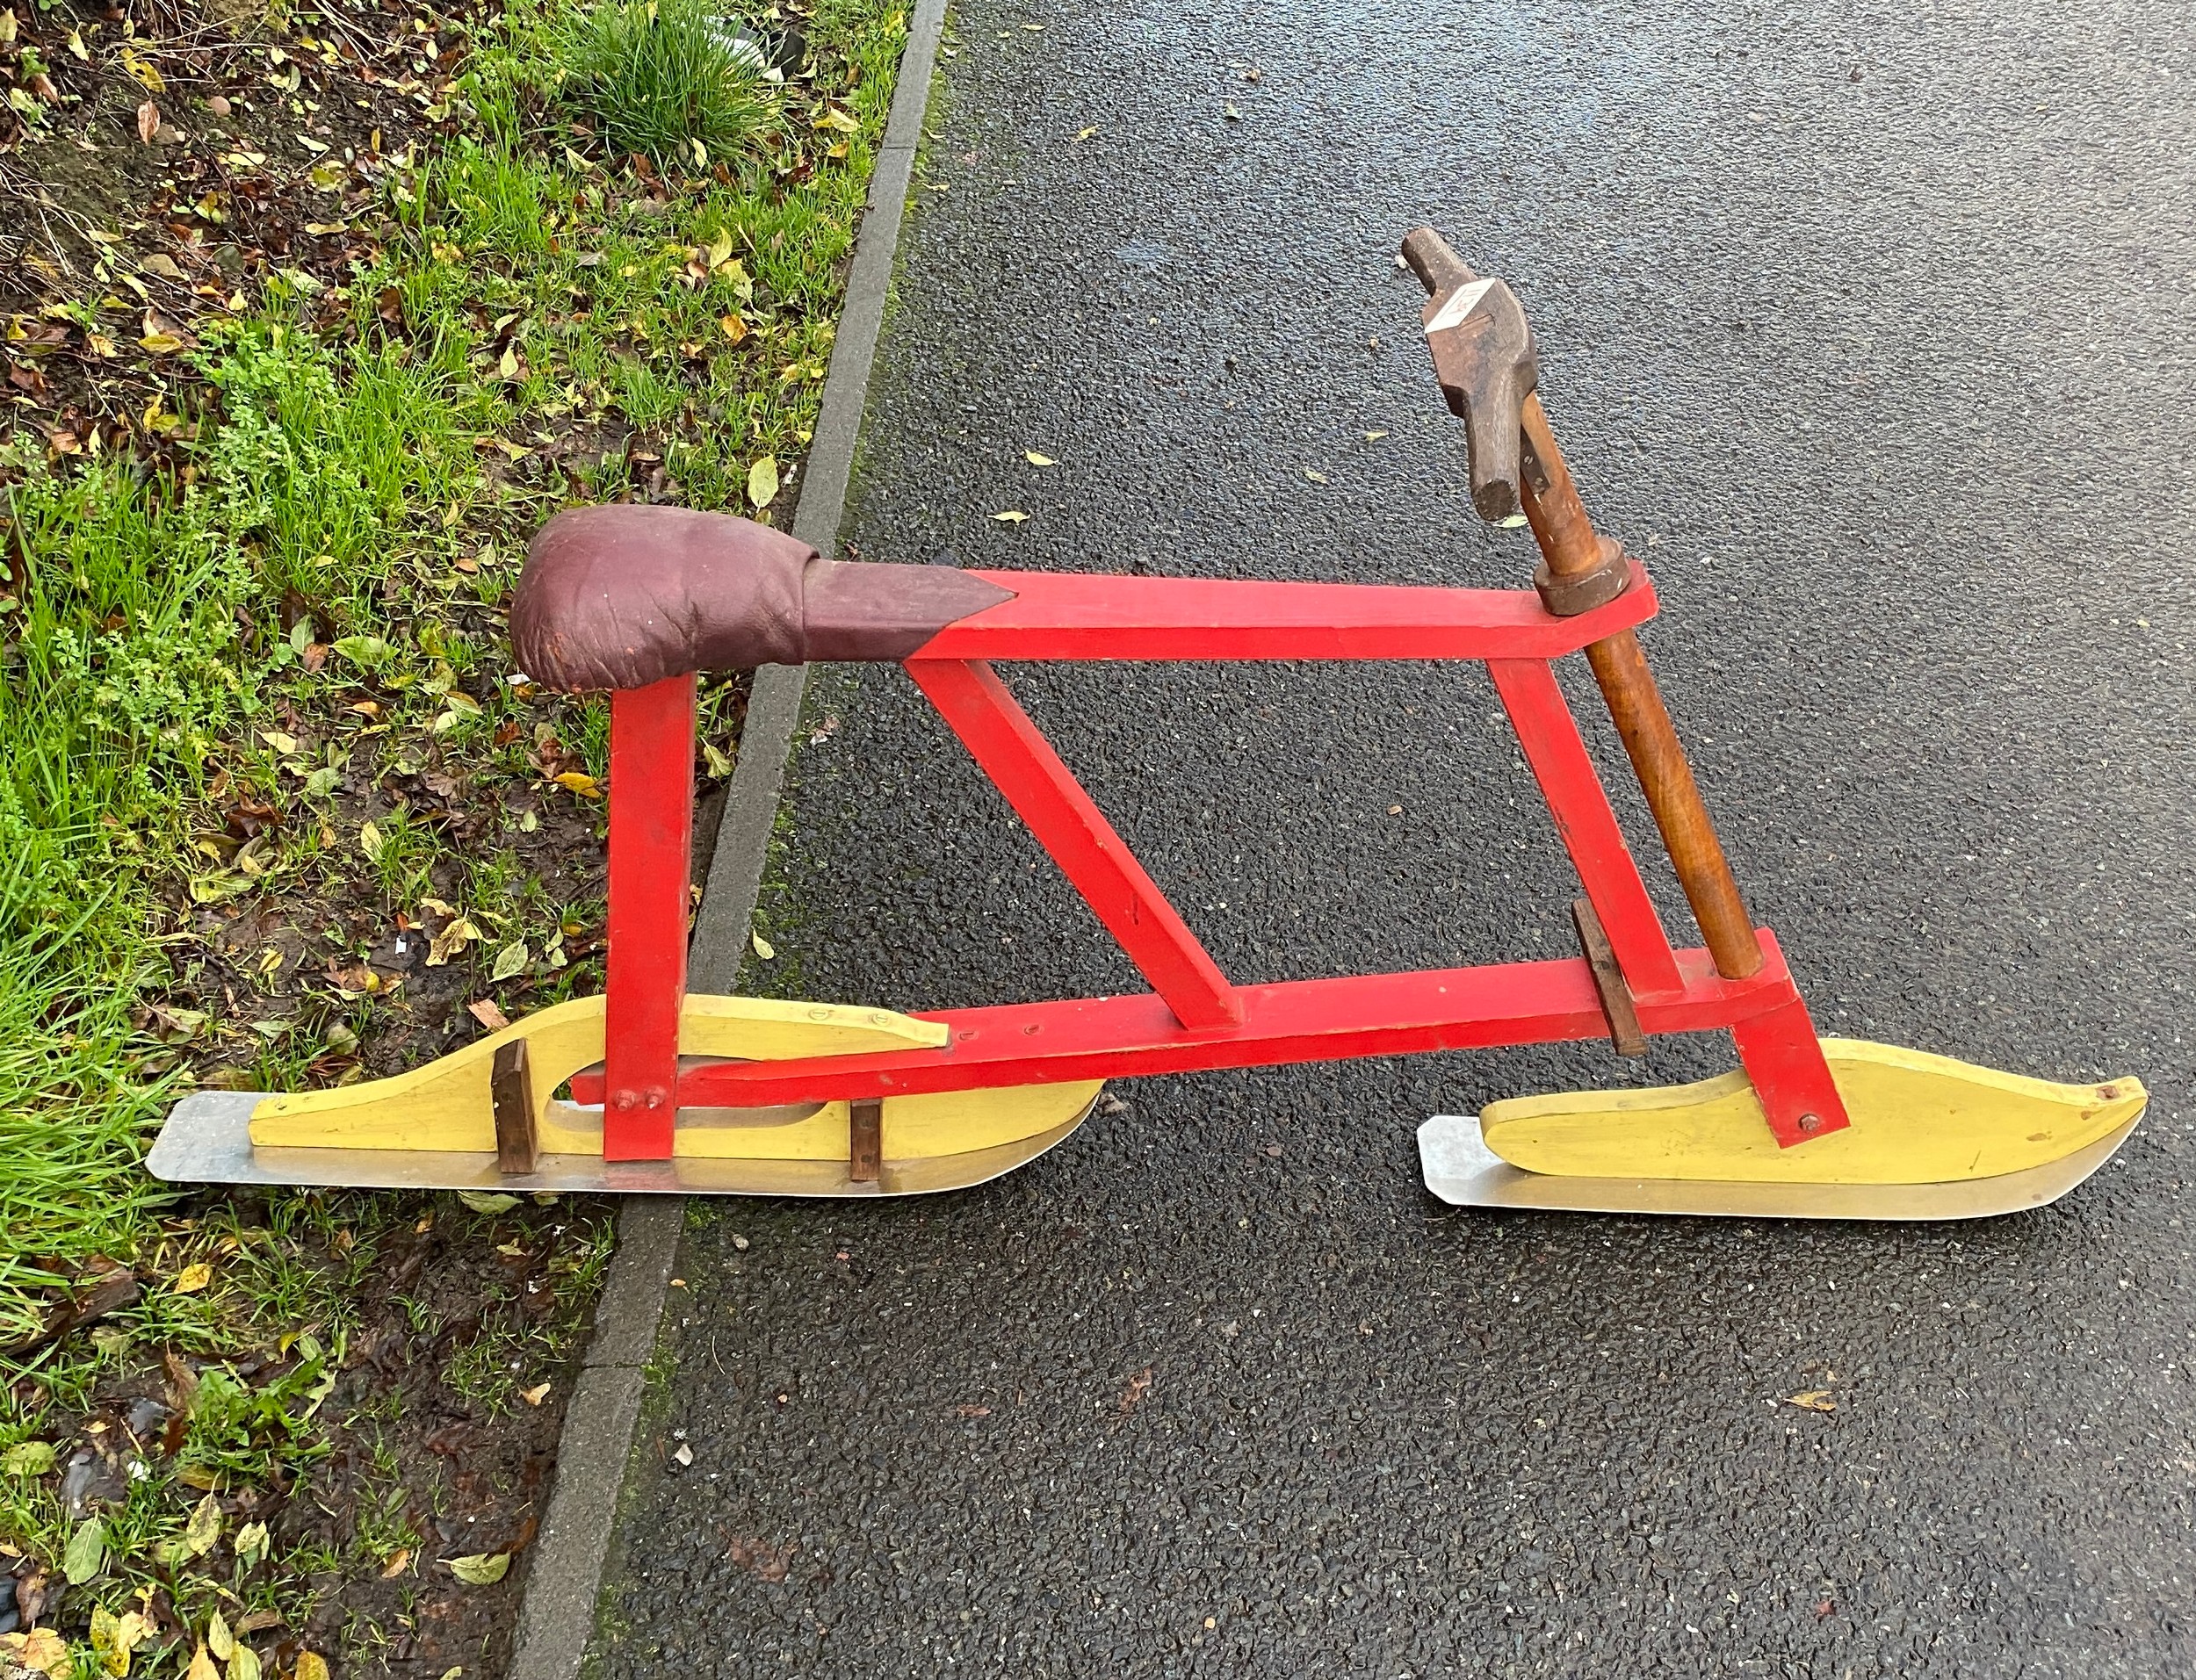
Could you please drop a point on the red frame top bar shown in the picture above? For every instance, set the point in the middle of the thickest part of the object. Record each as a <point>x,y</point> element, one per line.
<point>1081,616</point>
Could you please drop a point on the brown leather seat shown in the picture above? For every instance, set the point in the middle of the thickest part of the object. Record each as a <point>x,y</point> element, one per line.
<point>621,596</point>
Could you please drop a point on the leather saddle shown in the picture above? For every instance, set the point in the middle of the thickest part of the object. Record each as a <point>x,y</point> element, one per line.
<point>620,596</point>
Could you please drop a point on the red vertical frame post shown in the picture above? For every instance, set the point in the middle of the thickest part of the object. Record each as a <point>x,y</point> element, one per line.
<point>651,831</point>
<point>1021,764</point>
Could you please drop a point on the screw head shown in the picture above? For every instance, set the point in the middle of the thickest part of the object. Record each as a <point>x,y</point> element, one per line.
<point>1811,1123</point>
<point>625,1101</point>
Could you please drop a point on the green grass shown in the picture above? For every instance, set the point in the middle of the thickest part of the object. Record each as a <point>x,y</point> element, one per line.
<point>366,477</point>
<point>660,78</point>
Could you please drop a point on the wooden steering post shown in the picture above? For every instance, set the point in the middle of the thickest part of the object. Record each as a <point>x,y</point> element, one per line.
<point>1483,356</point>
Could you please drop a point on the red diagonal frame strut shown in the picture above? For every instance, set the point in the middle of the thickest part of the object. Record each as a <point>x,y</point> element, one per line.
<point>1022,765</point>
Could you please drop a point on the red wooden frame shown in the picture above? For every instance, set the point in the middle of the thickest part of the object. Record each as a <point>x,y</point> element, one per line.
<point>651,830</point>
<point>1194,1018</point>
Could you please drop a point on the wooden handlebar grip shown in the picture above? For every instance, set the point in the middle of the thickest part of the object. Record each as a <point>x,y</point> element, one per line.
<point>1570,544</point>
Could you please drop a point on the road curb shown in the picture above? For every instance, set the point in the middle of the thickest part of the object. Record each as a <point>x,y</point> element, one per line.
<point>565,1578</point>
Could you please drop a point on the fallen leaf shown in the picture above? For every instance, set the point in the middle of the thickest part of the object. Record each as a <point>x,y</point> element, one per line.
<point>204,1528</point>
<point>1012,516</point>
<point>368,651</point>
<point>508,960</point>
<point>683,1457</point>
<point>1035,459</point>
<point>202,1666</point>
<point>735,329</point>
<point>114,1637</point>
<point>1374,438</point>
<point>311,1666</point>
<point>1316,477</point>
<point>488,1202</point>
<point>147,121</point>
<point>251,1544</point>
<point>763,948</point>
<point>580,782</point>
<point>763,481</point>
<point>244,1665</point>
<point>1512,522</point>
<point>484,1569</point>
<point>86,1553</point>
<point>536,1394</point>
<point>453,939</point>
<point>1812,1399</point>
<point>834,118</point>
<point>285,745</point>
<point>40,1651</point>
<point>28,1459</point>
<point>160,344</point>
<point>1139,1385</point>
<point>972,1411</point>
<point>1086,133</point>
<point>219,1640</point>
<point>397,1563</point>
<point>484,1011</point>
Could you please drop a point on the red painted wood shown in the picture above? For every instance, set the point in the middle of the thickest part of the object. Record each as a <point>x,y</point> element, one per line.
<point>1784,1059</point>
<point>650,828</point>
<point>1065,615</point>
<point>1043,791</point>
<point>1297,1020</point>
<point>1564,770</point>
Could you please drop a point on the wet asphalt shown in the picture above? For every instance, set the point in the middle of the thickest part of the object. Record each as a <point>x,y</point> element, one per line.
<point>1870,328</point>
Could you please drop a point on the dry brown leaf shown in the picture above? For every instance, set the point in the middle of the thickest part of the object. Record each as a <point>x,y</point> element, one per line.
<point>147,121</point>
<point>484,1011</point>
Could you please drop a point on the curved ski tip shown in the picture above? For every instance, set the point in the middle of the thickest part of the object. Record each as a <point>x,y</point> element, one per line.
<point>1916,1119</point>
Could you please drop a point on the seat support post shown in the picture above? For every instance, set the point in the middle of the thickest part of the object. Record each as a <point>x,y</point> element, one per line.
<point>651,830</point>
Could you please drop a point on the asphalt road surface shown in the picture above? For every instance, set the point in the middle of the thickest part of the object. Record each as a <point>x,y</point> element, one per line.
<point>1870,328</point>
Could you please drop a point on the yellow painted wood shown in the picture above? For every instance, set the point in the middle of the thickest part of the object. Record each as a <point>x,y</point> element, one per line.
<point>1916,1119</point>
<point>916,1128</point>
<point>950,1122</point>
<point>446,1105</point>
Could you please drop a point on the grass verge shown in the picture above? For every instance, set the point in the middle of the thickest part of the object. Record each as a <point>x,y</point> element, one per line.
<point>357,298</point>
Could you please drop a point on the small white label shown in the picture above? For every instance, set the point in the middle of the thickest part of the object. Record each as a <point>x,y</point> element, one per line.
<point>1453,312</point>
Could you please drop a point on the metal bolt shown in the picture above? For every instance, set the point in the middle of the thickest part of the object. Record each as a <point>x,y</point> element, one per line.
<point>1811,1122</point>
<point>625,1101</point>
<point>656,1094</point>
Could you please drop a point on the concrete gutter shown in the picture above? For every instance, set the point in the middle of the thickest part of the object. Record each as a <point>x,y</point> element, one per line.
<point>565,1577</point>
